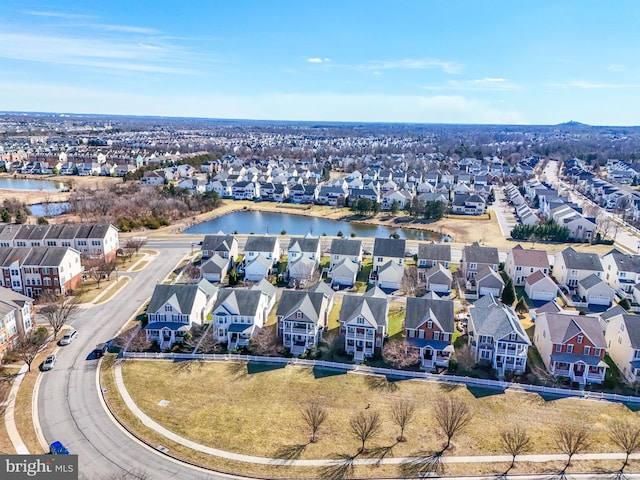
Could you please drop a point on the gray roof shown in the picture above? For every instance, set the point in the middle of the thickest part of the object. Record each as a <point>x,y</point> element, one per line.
<point>389,247</point>
<point>632,324</point>
<point>439,269</point>
<point>62,231</point>
<point>215,264</point>
<point>306,244</point>
<point>265,287</point>
<point>323,288</point>
<point>244,302</point>
<point>260,243</point>
<point>8,231</point>
<point>590,281</point>
<point>218,243</point>
<point>477,254</point>
<point>564,326</point>
<point>440,252</point>
<point>372,306</point>
<point>492,318</point>
<point>311,304</point>
<point>13,299</point>
<point>625,262</point>
<point>612,312</point>
<point>419,310</point>
<point>33,256</point>
<point>581,261</point>
<point>185,295</point>
<point>346,246</point>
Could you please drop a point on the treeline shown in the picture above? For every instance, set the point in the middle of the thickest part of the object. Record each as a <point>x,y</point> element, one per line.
<point>431,209</point>
<point>194,161</point>
<point>549,232</point>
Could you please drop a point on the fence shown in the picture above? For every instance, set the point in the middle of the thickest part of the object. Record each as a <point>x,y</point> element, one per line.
<point>350,367</point>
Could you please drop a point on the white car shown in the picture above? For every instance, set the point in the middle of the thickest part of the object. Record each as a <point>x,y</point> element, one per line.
<point>68,337</point>
<point>49,362</point>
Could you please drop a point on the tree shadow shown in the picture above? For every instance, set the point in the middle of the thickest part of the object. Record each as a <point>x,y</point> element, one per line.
<point>381,383</point>
<point>448,387</point>
<point>380,453</point>
<point>290,452</point>
<point>237,369</point>
<point>424,464</point>
<point>341,468</point>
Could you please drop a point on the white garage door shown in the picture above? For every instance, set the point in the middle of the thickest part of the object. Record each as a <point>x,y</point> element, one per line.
<point>342,281</point>
<point>540,295</point>
<point>486,291</point>
<point>598,300</point>
<point>438,287</point>
<point>389,285</point>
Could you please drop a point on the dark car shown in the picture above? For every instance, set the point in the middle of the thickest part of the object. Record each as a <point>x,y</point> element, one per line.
<point>57,448</point>
<point>100,350</point>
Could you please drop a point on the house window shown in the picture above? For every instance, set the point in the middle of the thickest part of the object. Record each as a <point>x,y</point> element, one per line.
<point>421,333</point>
<point>380,259</point>
<point>569,348</point>
<point>429,324</point>
<point>636,354</point>
<point>580,338</point>
<point>587,350</point>
<point>512,336</point>
<point>473,266</point>
<point>518,269</point>
<point>168,308</point>
<point>485,354</point>
<point>436,335</point>
<point>360,321</point>
<point>298,314</point>
<point>558,348</point>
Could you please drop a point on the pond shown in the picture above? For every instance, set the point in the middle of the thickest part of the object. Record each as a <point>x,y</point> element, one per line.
<point>51,209</point>
<point>246,222</point>
<point>30,184</point>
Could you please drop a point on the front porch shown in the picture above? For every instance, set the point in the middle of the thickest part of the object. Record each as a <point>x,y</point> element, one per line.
<point>583,369</point>
<point>238,335</point>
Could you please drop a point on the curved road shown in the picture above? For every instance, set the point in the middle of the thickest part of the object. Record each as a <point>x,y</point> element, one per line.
<point>69,406</point>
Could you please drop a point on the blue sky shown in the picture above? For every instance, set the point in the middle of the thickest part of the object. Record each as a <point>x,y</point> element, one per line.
<point>532,62</point>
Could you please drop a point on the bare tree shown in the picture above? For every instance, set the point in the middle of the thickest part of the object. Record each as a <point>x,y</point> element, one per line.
<point>58,310</point>
<point>133,245</point>
<point>516,441</point>
<point>266,343</point>
<point>464,357</point>
<point>400,353</point>
<point>410,279</point>
<point>365,425</point>
<point>28,346</point>
<point>604,223</point>
<point>98,268</point>
<point>192,273</point>
<point>571,438</point>
<point>314,416</point>
<point>403,413</point>
<point>133,340</point>
<point>452,416</point>
<point>626,437</point>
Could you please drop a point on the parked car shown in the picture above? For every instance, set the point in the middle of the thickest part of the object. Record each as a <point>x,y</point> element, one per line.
<point>57,448</point>
<point>100,350</point>
<point>49,363</point>
<point>68,337</point>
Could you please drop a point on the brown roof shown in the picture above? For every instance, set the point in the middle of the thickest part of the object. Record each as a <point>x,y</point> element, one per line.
<point>529,258</point>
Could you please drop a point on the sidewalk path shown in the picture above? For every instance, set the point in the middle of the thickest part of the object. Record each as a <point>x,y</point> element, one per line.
<point>149,423</point>
<point>9,415</point>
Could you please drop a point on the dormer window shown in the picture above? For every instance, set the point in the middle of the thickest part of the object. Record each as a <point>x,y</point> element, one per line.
<point>360,321</point>
<point>512,336</point>
<point>298,314</point>
<point>429,324</point>
<point>580,338</point>
<point>168,308</point>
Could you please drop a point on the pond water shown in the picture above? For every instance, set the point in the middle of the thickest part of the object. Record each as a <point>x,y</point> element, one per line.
<point>30,184</point>
<point>246,222</point>
<point>51,209</point>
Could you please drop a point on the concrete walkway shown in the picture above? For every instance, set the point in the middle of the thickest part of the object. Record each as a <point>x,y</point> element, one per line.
<point>9,415</point>
<point>149,423</point>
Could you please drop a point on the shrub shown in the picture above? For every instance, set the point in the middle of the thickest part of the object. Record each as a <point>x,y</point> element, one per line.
<point>453,365</point>
<point>43,221</point>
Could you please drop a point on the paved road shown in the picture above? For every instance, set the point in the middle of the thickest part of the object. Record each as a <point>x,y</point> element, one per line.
<point>69,405</point>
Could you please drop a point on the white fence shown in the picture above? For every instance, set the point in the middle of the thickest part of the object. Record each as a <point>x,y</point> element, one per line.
<point>350,367</point>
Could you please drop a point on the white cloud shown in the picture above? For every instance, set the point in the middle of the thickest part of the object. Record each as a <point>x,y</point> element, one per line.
<point>412,64</point>
<point>318,60</point>
<point>117,55</point>
<point>38,13</point>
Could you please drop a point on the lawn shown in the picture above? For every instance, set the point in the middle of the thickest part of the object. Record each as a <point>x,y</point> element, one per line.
<point>88,290</point>
<point>200,409</point>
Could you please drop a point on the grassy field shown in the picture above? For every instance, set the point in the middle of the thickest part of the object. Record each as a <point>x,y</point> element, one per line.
<point>244,409</point>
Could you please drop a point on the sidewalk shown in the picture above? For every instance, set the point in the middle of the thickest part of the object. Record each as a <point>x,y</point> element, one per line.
<point>149,423</point>
<point>9,415</point>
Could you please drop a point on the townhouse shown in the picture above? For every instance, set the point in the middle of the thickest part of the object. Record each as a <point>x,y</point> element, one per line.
<point>16,317</point>
<point>40,270</point>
